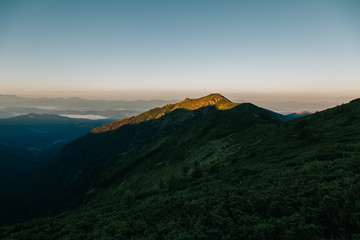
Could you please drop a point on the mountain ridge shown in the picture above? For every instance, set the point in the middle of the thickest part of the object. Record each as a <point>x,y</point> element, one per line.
<point>214,99</point>
<point>82,158</point>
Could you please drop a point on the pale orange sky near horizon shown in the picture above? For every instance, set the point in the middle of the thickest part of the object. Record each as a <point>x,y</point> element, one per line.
<point>172,94</point>
<point>305,51</point>
<point>280,101</point>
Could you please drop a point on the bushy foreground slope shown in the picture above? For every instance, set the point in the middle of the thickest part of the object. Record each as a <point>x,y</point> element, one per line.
<point>232,174</point>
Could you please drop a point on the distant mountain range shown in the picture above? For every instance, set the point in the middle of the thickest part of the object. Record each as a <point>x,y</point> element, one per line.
<point>40,132</point>
<point>202,168</point>
<point>299,114</point>
<point>11,105</point>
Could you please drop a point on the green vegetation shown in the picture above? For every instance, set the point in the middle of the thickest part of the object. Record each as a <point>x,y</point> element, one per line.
<point>234,174</point>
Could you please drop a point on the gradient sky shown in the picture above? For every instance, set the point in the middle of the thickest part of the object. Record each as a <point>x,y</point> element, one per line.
<point>70,47</point>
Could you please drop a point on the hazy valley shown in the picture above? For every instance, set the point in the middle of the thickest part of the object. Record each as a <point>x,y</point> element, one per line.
<point>11,105</point>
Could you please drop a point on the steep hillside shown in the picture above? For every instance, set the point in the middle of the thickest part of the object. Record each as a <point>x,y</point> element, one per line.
<point>108,152</point>
<point>233,174</point>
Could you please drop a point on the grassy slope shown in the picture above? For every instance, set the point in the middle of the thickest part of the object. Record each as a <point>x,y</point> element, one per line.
<point>101,157</point>
<point>297,180</point>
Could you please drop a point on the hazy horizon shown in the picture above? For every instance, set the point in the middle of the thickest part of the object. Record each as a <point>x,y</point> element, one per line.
<point>278,102</point>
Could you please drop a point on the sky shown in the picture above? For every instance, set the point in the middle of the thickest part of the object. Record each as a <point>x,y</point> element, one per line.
<point>252,50</point>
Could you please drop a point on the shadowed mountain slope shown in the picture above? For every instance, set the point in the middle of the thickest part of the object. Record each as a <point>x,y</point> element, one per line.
<point>41,132</point>
<point>17,166</point>
<point>103,154</point>
<point>233,174</point>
